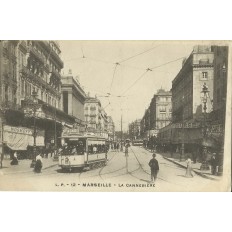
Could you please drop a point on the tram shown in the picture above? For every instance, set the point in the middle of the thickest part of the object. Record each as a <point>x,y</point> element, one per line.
<point>83,151</point>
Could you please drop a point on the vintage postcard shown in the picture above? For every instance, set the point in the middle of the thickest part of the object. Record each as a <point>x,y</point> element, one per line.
<point>115,116</point>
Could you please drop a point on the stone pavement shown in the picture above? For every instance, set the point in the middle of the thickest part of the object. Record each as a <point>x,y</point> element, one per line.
<point>24,166</point>
<point>196,166</point>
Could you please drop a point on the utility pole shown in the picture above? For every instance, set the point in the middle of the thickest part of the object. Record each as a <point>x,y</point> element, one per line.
<point>121,134</point>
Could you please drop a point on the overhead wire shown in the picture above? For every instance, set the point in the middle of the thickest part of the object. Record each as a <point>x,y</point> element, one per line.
<point>151,69</point>
<point>138,54</point>
<point>167,63</point>
<point>134,82</point>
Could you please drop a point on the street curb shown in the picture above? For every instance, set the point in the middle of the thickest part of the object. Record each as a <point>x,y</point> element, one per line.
<point>198,173</point>
<point>50,166</point>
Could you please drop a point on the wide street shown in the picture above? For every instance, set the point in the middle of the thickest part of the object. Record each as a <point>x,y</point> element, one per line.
<point>115,176</point>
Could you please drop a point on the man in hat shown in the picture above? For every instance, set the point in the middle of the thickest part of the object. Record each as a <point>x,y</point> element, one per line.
<point>154,165</point>
<point>213,164</point>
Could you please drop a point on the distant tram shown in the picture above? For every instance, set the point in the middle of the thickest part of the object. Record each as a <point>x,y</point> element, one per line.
<point>137,142</point>
<point>83,151</point>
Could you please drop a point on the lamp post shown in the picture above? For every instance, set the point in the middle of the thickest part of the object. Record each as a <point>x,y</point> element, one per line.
<point>55,158</point>
<point>183,137</point>
<point>205,92</point>
<point>221,152</point>
<point>34,105</point>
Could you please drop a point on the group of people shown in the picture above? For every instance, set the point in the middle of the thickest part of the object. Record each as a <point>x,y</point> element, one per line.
<point>115,146</point>
<point>154,165</point>
<point>38,162</point>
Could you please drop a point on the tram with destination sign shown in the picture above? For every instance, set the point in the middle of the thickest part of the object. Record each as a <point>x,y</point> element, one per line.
<point>81,151</point>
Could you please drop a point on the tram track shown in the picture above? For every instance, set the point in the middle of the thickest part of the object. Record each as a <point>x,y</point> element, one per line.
<point>141,167</point>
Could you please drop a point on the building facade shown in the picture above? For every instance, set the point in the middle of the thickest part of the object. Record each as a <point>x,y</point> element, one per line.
<point>158,115</point>
<point>111,128</point>
<point>187,85</point>
<point>73,100</point>
<point>135,129</point>
<point>95,117</point>
<point>199,100</point>
<point>31,94</point>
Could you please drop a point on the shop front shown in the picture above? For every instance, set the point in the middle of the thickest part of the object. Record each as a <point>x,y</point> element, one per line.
<point>20,139</point>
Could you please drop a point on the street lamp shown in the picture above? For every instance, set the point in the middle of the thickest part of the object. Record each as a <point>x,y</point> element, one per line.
<point>34,106</point>
<point>205,92</point>
<point>55,158</point>
<point>221,152</point>
<point>183,135</point>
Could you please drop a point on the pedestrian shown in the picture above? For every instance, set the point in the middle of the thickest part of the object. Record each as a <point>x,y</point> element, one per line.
<point>126,149</point>
<point>38,164</point>
<point>154,165</point>
<point>1,158</point>
<point>118,147</point>
<point>15,159</point>
<point>189,173</point>
<point>213,164</point>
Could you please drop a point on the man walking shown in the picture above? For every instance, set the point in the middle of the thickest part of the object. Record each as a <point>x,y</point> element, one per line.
<point>154,165</point>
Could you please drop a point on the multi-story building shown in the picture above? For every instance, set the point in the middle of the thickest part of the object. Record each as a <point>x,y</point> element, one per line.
<point>95,117</point>
<point>187,96</point>
<point>198,117</point>
<point>111,128</point>
<point>73,98</point>
<point>217,116</point>
<point>160,110</point>
<point>158,115</point>
<point>135,129</point>
<point>8,87</point>
<point>92,115</point>
<point>31,93</point>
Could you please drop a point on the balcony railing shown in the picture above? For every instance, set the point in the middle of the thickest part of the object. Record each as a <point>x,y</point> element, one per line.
<point>37,54</point>
<point>10,104</point>
<point>55,73</point>
<point>29,74</point>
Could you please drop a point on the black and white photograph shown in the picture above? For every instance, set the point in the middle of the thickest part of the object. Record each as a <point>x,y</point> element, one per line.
<point>115,115</point>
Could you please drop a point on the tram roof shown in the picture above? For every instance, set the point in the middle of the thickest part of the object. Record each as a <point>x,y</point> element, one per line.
<point>73,137</point>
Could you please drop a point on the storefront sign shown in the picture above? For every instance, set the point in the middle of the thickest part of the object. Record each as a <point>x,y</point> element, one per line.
<point>18,130</point>
<point>187,125</point>
<point>216,130</point>
<point>69,132</point>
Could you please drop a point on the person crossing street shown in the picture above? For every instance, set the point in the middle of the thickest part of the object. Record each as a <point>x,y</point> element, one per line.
<point>154,165</point>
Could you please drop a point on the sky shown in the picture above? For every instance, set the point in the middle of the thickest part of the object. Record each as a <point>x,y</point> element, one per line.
<point>120,71</point>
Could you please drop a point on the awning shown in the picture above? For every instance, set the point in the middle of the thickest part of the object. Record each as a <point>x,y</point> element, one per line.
<point>193,135</point>
<point>18,138</point>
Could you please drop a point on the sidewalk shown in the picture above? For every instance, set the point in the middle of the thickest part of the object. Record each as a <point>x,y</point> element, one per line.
<point>196,167</point>
<point>24,166</point>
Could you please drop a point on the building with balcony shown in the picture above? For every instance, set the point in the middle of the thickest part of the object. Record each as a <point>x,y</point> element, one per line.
<point>8,87</point>
<point>95,117</point>
<point>135,129</point>
<point>111,128</point>
<point>29,67</point>
<point>92,113</point>
<point>158,114</point>
<point>187,85</point>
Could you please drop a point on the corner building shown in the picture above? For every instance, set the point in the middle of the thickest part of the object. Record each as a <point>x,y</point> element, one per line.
<point>29,67</point>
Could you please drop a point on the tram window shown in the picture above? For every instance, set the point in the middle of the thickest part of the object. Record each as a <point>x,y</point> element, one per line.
<point>90,149</point>
<point>95,149</point>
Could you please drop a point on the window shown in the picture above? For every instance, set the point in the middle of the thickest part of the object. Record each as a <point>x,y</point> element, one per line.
<point>205,75</point>
<point>162,109</point>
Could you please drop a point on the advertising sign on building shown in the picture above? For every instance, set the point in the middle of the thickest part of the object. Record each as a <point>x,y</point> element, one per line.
<point>18,138</point>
